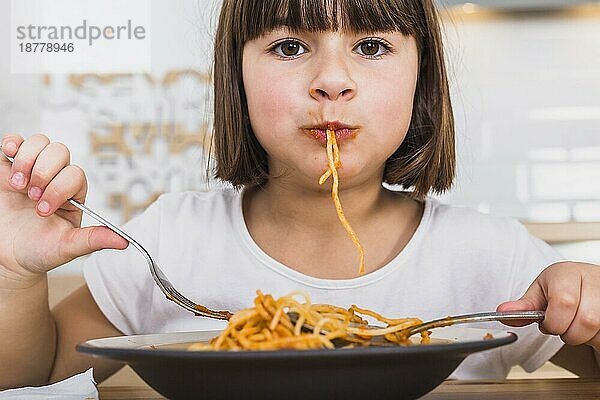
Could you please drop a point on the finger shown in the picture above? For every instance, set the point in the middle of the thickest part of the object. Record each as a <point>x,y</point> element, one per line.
<point>81,241</point>
<point>533,299</point>
<point>595,342</point>
<point>586,324</point>
<point>564,294</point>
<point>69,183</point>
<point>24,160</point>
<point>52,159</point>
<point>10,145</point>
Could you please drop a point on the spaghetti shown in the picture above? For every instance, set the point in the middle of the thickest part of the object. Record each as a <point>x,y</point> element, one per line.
<point>333,157</point>
<point>268,326</point>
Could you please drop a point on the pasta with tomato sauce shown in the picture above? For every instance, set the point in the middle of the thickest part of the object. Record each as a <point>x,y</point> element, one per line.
<point>268,326</point>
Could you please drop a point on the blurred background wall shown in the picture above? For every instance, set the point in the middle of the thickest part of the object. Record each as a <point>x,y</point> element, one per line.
<point>525,81</point>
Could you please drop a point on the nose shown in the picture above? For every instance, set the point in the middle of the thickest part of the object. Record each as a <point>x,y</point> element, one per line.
<point>332,81</point>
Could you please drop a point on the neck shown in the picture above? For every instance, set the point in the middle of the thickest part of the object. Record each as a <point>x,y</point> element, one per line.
<point>307,207</point>
<point>300,228</point>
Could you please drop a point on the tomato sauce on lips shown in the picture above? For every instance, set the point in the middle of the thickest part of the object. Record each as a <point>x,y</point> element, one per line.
<point>320,134</point>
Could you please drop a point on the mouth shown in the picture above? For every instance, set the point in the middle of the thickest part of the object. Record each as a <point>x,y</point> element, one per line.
<point>342,131</point>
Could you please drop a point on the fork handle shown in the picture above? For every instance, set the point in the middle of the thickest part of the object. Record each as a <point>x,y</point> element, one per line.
<point>478,317</point>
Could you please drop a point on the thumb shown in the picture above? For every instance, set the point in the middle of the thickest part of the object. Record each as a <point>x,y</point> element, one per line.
<point>81,241</point>
<point>534,299</point>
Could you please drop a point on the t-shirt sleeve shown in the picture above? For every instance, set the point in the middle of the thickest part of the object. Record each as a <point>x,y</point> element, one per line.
<point>531,257</point>
<point>120,281</point>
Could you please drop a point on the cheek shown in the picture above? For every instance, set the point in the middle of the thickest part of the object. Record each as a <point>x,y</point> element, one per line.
<point>271,105</point>
<point>391,110</point>
<point>271,102</point>
<point>398,111</point>
<point>395,100</point>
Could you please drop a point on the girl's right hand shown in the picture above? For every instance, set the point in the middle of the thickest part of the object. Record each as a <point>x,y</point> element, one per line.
<point>40,229</point>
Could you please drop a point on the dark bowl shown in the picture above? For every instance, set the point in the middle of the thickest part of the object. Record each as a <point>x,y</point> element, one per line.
<point>394,372</point>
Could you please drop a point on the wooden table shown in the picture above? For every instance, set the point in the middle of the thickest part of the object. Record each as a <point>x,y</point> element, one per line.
<point>518,389</point>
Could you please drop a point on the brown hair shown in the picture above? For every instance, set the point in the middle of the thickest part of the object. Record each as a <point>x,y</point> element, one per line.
<point>424,161</point>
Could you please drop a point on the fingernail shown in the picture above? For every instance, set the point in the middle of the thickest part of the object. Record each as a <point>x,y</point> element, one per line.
<point>43,207</point>
<point>35,193</point>
<point>18,179</point>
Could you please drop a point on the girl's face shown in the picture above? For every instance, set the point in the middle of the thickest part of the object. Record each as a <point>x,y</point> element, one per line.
<point>299,84</point>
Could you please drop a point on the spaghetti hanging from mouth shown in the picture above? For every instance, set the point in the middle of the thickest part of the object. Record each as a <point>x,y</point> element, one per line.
<point>333,158</point>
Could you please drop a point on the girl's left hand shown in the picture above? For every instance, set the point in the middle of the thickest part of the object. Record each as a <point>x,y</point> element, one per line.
<point>570,294</point>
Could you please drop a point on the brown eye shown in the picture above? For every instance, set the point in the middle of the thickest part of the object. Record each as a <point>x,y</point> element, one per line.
<point>373,48</point>
<point>290,48</point>
<point>370,48</point>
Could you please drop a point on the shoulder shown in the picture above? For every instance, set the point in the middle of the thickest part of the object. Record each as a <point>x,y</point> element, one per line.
<point>487,237</point>
<point>190,198</point>
<point>491,239</point>
<point>472,223</point>
<point>184,209</point>
<point>190,203</point>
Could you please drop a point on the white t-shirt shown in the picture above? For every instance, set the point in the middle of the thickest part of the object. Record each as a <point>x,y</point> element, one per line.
<point>458,261</point>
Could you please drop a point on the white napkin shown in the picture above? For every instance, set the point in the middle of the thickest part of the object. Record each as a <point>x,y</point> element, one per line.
<point>80,387</point>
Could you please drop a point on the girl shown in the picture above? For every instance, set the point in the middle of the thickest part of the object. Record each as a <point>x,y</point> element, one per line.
<point>284,73</point>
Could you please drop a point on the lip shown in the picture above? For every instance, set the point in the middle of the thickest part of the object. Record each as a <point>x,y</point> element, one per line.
<point>342,131</point>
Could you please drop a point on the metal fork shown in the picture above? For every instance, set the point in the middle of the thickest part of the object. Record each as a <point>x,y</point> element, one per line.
<point>478,317</point>
<point>159,277</point>
<point>438,323</point>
